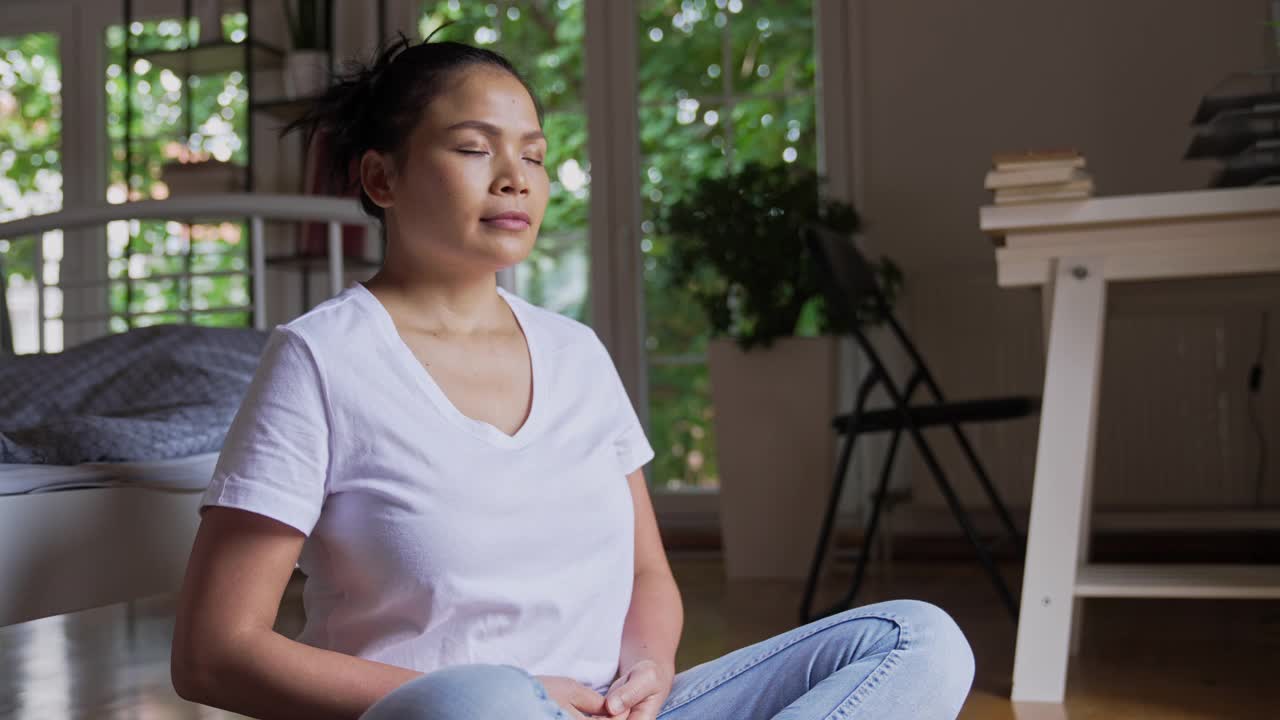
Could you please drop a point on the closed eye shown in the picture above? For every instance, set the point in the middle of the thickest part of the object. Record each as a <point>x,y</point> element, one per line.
<point>535,161</point>
<point>473,152</point>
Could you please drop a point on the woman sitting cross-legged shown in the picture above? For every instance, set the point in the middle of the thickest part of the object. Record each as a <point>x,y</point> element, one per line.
<point>458,474</point>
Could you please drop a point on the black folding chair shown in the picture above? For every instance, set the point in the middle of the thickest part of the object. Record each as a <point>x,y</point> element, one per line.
<point>849,283</point>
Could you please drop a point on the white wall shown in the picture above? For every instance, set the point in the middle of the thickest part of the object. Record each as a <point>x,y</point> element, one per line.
<point>949,83</point>
<point>943,86</point>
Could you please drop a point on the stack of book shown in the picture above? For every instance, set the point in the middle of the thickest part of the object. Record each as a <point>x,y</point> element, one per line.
<point>1039,176</point>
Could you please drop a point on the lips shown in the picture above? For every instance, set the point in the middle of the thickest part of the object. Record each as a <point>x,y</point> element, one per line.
<point>512,220</point>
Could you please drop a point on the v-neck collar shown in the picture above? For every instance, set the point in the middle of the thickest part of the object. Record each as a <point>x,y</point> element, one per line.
<point>413,367</point>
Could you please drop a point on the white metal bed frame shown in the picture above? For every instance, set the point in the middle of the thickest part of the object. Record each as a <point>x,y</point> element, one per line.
<point>72,550</point>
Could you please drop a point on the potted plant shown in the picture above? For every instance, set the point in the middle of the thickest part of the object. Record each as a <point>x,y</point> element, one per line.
<point>739,251</point>
<point>306,65</point>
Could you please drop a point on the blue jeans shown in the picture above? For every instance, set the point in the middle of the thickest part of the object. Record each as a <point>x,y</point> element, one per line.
<point>901,659</point>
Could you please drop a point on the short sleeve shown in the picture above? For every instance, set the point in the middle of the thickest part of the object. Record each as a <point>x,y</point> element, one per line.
<point>275,458</point>
<point>630,443</point>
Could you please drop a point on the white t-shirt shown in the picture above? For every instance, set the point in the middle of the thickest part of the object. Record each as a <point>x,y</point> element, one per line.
<point>434,539</point>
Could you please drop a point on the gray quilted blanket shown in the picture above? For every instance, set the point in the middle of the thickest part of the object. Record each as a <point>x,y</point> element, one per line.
<point>148,394</point>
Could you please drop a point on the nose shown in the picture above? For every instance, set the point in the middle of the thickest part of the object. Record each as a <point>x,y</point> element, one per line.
<point>510,177</point>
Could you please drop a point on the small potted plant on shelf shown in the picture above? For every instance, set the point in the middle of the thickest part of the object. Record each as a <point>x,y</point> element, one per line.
<point>739,251</point>
<point>306,65</point>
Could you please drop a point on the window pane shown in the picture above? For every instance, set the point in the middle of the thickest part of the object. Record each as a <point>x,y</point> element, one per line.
<point>680,143</point>
<point>557,272</point>
<point>219,292</point>
<point>772,47</point>
<point>163,319</point>
<point>679,147</point>
<point>30,180</point>
<point>215,262</point>
<point>681,52</point>
<point>176,119</point>
<point>151,296</point>
<point>699,116</point>
<point>773,131</point>
<point>229,319</point>
<point>544,40</point>
<point>680,418</point>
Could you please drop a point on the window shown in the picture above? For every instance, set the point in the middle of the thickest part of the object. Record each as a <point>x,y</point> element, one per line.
<point>721,83</point>
<point>716,83</point>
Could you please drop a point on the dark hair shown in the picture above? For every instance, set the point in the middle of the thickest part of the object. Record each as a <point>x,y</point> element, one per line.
<point>375,105</point>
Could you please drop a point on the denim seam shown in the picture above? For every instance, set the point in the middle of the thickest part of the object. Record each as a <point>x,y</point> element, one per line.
<point>865,688</point>
<point>709,685</point>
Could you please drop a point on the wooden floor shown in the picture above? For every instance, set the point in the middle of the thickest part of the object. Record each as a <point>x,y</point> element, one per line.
<point>1139,658</point>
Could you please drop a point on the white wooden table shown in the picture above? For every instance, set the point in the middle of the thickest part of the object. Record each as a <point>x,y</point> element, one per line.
<point>1072,250</point>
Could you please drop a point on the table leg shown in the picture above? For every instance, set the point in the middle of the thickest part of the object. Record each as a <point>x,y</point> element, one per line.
<point>1077,613</point>
<point>1064,469</point>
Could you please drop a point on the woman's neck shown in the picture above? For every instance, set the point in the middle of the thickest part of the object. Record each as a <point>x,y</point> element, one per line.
<point>441,304</point>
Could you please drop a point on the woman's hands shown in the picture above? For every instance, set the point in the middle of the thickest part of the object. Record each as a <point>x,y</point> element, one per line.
<point>577,699</point>
<point>638,694</point>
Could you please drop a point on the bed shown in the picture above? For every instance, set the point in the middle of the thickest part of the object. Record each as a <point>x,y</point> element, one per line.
<point>103,539</point>
<point>106,448</point>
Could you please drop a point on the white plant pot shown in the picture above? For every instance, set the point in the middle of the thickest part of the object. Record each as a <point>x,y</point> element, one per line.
<point>775,448</point>
<point>306,73</point>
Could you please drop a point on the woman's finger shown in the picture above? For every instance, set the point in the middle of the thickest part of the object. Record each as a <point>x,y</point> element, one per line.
<point>646,709</point>
<point>640,684</point>
<point>588,701</point>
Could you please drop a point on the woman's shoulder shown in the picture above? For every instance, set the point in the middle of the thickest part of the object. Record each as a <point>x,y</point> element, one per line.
<point>341,309</point>
<point>338,322</point>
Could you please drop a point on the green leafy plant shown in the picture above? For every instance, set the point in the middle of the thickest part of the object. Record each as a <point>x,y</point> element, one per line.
<point>307,23</point>
<point>738,248</point>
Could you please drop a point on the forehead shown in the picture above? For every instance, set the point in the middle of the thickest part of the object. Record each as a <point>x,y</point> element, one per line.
<point>490,95</point>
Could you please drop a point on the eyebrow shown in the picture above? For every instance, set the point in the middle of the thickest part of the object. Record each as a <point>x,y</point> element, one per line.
<point>492,130</point>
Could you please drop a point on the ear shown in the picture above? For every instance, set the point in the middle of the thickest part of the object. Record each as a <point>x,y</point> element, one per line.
<point>376,175</point>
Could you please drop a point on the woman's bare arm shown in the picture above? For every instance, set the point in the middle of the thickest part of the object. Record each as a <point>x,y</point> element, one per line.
<point>225,650</point>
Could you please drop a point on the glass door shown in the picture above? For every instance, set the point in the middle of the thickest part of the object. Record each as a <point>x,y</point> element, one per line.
<point>721,83</point>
